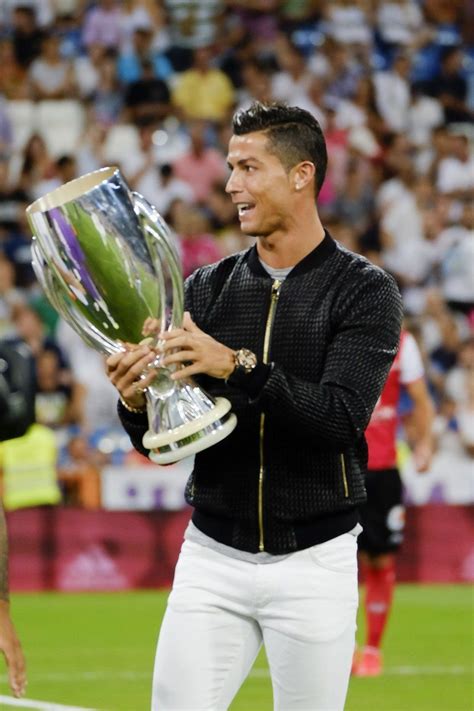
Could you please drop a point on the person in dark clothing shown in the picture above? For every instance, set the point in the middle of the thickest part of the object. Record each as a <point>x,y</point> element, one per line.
<point>147,97</point>
<point>27,36</point>
<point>450,87</point>
<point>299,334</point>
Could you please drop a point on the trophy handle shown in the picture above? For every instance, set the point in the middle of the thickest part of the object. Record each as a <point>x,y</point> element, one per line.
<point>161,245</point>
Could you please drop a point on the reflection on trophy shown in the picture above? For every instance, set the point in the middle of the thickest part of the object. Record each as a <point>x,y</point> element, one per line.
<point>108,264</point>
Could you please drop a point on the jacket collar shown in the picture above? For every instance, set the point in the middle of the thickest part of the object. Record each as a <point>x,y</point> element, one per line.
<point>311,261</point>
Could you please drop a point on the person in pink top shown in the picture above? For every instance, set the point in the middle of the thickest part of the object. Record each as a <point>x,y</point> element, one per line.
<point>382,516</point>
<point>201,167</point>
<point>104,25</point>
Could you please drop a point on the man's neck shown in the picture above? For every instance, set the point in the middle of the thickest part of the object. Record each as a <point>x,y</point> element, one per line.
<point>281,250</point>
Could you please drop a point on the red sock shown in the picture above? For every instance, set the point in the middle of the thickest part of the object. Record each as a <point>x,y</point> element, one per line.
<point>378,600</point>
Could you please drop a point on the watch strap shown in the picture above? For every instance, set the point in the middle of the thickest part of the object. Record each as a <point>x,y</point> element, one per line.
<point>252,383</point>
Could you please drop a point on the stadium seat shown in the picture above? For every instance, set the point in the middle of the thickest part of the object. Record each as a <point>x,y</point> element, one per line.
<point>22,114</point>
<point>61,124</point>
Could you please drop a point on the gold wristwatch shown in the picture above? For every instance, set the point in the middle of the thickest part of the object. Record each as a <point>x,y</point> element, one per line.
<point>245,361</point>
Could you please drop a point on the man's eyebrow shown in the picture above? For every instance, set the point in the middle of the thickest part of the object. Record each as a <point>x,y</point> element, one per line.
<point>242,161</point>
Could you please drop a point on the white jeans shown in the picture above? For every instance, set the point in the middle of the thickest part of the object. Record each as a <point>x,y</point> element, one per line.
<point>220,610</point>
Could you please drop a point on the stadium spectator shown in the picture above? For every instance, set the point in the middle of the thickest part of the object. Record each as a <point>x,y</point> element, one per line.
<point>392,93</point>
<point>291,82</point>
<point>450,86</point>
<point>172,188</point>
<point>57,403</point>
<point>10,297</point>
<point>147,98</point>
<point>51,76</point>
<point>37,165</point>
<point>256,84</point>
<point>104,25</point>
<point>201,166</point>
<point>192,25</point>
<point>198,246</point>
<point>26,35</point>
<point>141,167</point>
<point>79,474</point>
<point>203,92</point>
<point>87,68</point>
<point>13,84</point>
<point>106,101</point>
<point>131,59</point>
<point>399,23</point>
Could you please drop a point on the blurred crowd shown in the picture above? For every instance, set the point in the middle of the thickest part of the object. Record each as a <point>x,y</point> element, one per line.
<point>151,85</point>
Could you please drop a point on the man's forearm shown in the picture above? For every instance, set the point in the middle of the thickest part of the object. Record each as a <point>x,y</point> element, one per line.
<point>3,557</point>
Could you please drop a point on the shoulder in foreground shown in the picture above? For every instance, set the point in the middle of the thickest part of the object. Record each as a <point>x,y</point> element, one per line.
<point>224,265</point>
<point>360,265</point>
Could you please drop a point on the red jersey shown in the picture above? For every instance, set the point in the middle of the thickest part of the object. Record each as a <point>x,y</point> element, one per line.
<point>381,434</point>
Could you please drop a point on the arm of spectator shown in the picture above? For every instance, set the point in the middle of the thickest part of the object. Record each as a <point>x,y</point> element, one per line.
<point>421,422</point>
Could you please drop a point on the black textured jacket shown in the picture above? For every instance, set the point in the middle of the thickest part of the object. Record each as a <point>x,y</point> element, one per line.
<point>292,472</point>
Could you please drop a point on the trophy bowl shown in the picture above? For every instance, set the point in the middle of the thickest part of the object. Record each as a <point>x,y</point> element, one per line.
<point>108,263</point>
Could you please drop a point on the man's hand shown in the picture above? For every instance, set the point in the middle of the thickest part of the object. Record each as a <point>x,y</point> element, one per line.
<point>125,369</point>
<point>202,353</point>
<point>12,651</point>
<point>422,456</point>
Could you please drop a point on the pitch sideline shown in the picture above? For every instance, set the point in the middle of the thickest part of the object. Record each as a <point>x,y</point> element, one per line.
<point>43,705</point>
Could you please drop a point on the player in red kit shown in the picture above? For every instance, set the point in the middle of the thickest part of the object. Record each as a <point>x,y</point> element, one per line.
<point>383,514</point>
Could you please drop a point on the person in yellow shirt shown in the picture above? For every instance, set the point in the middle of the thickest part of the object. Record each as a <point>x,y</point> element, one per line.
<point>203,92</point>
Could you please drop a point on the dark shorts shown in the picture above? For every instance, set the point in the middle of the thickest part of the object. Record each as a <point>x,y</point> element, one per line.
<point>383,516</point>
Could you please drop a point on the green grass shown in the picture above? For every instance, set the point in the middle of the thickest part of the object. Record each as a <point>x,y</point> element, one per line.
<point>97,650</point>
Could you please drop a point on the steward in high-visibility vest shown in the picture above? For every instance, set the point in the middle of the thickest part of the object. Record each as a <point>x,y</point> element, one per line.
<point>29,469</point>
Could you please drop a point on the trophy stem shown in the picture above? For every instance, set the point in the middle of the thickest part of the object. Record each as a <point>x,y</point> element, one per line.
<point>188,438</point>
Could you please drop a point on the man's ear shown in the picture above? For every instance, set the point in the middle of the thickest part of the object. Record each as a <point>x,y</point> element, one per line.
<point>303,174</point>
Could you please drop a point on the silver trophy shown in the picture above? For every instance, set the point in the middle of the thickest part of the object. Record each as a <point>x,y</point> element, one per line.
<point>108,264</point>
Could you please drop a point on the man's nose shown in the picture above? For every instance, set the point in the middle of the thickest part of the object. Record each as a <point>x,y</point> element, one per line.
<point>232,184</point>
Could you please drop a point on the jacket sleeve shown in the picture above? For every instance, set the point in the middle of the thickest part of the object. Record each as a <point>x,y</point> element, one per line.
<point>337,410</point>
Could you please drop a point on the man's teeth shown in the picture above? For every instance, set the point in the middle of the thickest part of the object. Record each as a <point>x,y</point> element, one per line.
<point>244,208</point>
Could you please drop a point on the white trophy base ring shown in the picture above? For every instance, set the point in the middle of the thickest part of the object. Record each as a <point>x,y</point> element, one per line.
<point>192,437</point>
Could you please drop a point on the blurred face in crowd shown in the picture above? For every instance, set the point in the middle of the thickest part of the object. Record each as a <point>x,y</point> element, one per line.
<point>259,186</point>
<point>50,49</point>
<point>202,58</point>
<point>47,370</point>
<point>24,19</point>
<point>28,323</point>
<point>401,66</point>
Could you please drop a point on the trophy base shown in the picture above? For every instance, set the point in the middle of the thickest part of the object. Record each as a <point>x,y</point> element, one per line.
<point>192,437</point>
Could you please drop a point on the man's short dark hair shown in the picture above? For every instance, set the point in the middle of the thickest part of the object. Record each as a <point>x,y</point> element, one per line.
<point>294,135</point>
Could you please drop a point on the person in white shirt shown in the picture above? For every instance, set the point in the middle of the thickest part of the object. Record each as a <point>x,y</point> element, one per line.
<point>392,93</point>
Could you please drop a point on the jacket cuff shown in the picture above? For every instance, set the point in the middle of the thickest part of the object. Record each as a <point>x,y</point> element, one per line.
<point>251,383</point>
<point>131,418</point>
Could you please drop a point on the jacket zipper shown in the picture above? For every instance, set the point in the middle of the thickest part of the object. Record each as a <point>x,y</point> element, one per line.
<point>266,351</point>
<point>344,477</point>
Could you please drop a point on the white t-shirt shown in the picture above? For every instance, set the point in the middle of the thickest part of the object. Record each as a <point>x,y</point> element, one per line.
<point>411,363</point>
<point>453,174</point>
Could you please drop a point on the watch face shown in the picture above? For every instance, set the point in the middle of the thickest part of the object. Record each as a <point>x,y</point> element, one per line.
<point>246,359</point>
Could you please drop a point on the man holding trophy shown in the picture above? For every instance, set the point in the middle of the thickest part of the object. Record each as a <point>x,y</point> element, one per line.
<point>294,338</point>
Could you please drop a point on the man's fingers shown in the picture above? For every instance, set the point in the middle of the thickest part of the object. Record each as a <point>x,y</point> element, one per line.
<point>132,362</point>
<point>132,389</point>
<point>189,325</point>
<point>187,372</point>
<point>179,357</point>
<point>179,341</point>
